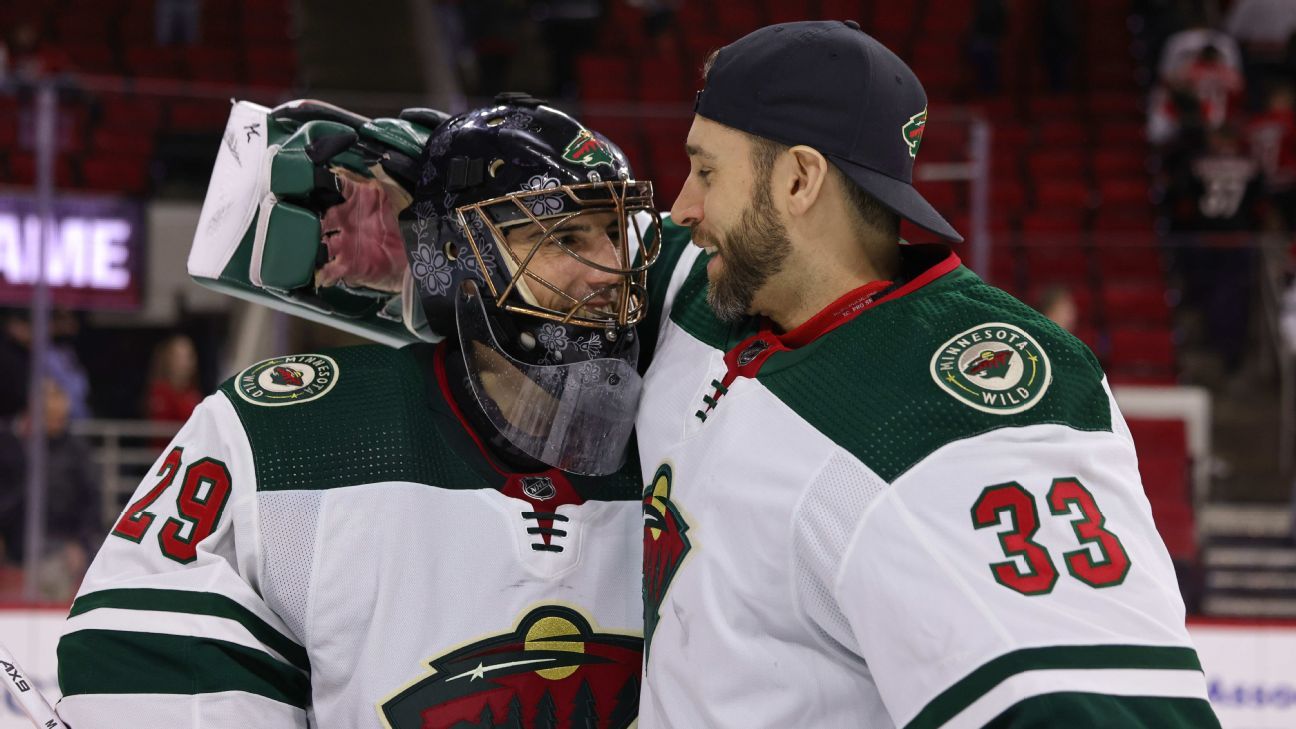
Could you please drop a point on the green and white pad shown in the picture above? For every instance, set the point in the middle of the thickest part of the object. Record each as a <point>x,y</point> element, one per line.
<point>259,233</point>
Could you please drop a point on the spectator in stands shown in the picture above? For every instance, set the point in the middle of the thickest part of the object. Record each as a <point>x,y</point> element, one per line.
<point>61,364</point>
<point>989,23</point>
<point>173,380</point>
<point>15,356</point>
<point>64,365</point>
<point>1177,114</point>
<point>1224,190</point>
<point>1057,303</point>
<point>1216,86</point>
<point>1195,99</point>
<point>1219,206</point>
<point>1272,138</point>
<point>1184,47</point>
<point>1175,126</point>
<point>73,527</point>
<point>177,21</point>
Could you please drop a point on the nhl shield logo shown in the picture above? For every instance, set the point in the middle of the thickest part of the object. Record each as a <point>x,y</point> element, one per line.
<point>287,380</point>
<point>995,368</point>
<point>555,671</point>
<point>540,488</point>
<point>753,350</point>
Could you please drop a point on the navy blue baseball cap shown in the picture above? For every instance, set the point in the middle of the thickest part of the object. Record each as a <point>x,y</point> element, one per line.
<point>830,86</point>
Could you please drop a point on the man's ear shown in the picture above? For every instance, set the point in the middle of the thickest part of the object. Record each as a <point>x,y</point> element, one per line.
<point>809,175</point>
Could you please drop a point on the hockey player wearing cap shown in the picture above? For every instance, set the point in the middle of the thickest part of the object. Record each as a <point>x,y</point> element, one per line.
<point>442,535</point>
<point>879,492</point>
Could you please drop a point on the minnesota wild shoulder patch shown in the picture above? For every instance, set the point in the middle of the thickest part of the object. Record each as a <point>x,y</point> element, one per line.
<point>287,380</point>
<point>996,368</point>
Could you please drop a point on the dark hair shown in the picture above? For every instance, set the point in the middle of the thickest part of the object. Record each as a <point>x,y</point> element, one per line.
<point>708,63</point>
<point>867,209</point>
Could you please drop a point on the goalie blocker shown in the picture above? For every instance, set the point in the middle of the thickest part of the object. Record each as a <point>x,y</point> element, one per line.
<point>277,173</point>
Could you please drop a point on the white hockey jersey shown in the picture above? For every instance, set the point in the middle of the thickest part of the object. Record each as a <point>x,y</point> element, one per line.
<point>920,509</point>
<point>324,544</point>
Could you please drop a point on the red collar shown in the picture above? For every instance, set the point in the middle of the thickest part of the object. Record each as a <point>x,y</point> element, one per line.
<point>747,357</point>
<point>515,484</point>
<point>857,301</point>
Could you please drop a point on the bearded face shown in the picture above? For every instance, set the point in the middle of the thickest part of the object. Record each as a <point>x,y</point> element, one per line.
<point>752,251</point>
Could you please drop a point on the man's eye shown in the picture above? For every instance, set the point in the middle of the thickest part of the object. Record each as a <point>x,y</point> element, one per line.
<point>704,174</point>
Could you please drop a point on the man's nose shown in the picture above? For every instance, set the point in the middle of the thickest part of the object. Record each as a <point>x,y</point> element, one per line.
<point>607,253</point>
<point>687,209</point>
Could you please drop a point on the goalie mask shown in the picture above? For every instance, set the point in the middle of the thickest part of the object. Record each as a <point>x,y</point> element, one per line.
<point>529,238</point>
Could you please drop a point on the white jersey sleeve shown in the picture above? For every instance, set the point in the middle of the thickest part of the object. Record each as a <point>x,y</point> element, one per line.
<point>1016,565</point>
<point>169,629</point>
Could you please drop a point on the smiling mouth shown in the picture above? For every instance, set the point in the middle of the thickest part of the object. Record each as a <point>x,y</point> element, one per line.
<point>602,304</point>
<point>706,243</point>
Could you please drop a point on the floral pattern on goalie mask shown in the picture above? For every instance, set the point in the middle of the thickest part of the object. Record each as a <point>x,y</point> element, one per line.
<point>519,163</point>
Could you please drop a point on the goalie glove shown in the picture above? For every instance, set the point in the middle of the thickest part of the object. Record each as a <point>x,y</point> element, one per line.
<point>301,216</point>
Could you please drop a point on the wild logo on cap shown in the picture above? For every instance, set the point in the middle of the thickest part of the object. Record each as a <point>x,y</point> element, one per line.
<point>913,131</point>
<point>995,368</point>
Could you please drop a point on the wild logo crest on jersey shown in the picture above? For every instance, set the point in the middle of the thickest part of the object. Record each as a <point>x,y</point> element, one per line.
<point>665,546</point>
<point>287,380</point>
<point>553,671</point>
<point>287,376</point>
<point>587,150</point>
<point>995,368</point>
<point>913,131</point>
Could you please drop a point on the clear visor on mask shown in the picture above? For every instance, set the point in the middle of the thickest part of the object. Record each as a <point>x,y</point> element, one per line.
<point>576,417</point>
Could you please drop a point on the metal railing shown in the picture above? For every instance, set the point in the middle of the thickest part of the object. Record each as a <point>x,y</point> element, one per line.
<point>124,450</point>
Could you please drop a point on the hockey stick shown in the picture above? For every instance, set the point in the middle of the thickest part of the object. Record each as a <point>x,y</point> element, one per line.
<point>29,699</point>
